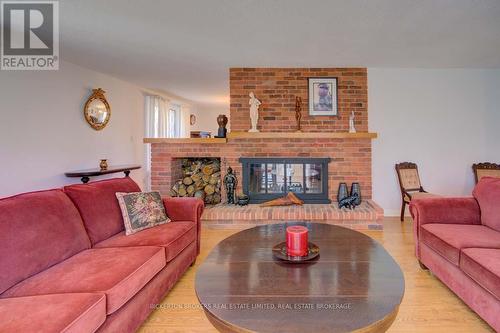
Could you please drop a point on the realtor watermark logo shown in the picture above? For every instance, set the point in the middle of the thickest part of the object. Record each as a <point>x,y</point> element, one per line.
<point>30,35</point>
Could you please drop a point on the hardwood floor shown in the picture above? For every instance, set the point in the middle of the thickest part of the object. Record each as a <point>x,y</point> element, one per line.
<point>428,305</point>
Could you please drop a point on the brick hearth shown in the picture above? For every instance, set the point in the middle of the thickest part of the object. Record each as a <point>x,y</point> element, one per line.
<point>366,216</point>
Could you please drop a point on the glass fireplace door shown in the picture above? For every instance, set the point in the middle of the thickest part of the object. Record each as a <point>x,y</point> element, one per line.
<point>269,178</point>
<point>295,177</point>
<point>313,180</point>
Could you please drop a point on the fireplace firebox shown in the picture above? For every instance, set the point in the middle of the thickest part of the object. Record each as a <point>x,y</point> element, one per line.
<point>270,178</point>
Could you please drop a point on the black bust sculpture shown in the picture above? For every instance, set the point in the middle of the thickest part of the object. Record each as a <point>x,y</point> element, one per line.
<point>230,182</point>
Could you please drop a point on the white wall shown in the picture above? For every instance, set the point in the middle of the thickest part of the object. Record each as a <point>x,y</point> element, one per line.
<point>442,119</point>
<point>43,132</point>
<point>206,117</point>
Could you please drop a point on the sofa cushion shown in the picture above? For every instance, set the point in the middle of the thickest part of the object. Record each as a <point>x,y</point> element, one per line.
<point>449,239</point>
<point>174,237</point>
<point>141,210</point>
<point>487,194</point>
<point>99,207</point>
<point>483,265</point>
<point>68,313</point>
<point>117,272</point>
<point>37,230</point>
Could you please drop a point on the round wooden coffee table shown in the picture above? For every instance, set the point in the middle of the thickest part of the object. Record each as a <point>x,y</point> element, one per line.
<point>354,284</point>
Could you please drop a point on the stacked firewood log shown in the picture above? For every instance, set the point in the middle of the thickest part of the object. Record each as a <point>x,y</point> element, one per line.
<point>201,178</point>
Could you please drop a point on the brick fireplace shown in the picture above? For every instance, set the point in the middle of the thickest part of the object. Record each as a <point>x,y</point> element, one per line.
<point>322,137</point>
<point>350,158</point>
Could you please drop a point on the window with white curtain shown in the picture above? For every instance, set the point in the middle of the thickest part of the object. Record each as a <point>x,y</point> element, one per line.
<point>156,117</point>
<point>174,121</point>
<point>163,119</point>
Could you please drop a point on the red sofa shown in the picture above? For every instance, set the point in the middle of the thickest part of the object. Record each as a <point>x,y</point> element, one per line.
<point>458,239</point>
<point>67,266</point>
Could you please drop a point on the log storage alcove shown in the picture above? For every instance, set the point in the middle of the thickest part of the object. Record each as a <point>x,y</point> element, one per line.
<point>201,178</point>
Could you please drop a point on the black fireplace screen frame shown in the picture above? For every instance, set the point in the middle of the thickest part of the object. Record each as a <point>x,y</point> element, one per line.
<point>315,198</point>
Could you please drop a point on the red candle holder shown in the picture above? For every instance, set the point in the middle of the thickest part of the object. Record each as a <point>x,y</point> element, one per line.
<point>296,241</point>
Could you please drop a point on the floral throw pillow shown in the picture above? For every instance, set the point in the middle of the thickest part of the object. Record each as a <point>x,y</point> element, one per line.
<point>141,210</point>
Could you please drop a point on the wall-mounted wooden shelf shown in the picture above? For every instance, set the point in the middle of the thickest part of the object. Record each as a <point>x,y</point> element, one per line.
<point>301,135</point>
<point>185,140</point>
<point>87,173</point>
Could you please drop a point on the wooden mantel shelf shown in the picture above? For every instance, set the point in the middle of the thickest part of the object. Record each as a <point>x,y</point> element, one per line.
<point>267,135</point>
<point>184,140</point>
<point>301,135</point>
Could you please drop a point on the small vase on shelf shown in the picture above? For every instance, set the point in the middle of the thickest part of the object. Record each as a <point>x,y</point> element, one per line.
<point>222,122</point>
<point>103,164</point>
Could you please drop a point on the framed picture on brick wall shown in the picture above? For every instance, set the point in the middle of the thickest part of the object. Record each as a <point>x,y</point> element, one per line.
<point>323,96</point>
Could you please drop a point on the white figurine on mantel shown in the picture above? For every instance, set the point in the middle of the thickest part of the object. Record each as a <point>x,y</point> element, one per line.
<point>352,129</point>
<point>254,112</point>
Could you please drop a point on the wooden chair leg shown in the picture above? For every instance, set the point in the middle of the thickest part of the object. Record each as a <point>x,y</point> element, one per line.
<point>403,207</point>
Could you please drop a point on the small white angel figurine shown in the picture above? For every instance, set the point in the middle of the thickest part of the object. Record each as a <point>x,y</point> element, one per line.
<point>254,111</point>
<point>352,129</point>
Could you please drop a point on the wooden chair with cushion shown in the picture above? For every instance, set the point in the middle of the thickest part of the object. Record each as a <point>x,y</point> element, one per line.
<point>409,182</point>
<point>486,169</point>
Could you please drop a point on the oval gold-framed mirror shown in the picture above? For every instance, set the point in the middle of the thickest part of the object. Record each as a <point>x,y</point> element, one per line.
<point>97,110</point>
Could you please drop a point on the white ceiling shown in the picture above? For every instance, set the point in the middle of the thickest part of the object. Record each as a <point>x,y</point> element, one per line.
<point>185,47</point>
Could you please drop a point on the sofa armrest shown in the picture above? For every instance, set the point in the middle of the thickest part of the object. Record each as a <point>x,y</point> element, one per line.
<point>442,210</point>
<point>445,210</point>
<point>185,209</point>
